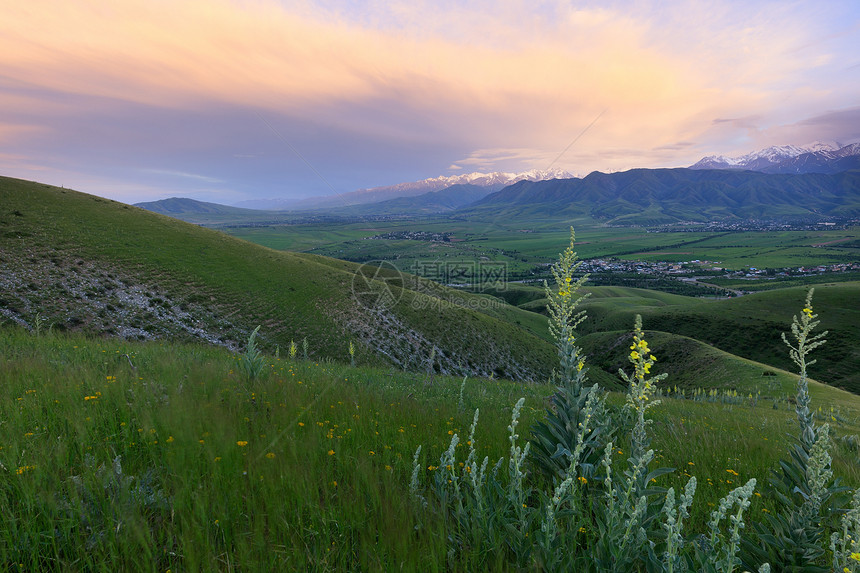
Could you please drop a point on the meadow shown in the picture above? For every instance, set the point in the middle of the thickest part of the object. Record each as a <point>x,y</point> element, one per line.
<point>153,456</point>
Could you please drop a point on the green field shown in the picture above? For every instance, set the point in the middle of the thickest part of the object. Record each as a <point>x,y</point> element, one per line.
<point>525,244</point>
<point>153,456</point>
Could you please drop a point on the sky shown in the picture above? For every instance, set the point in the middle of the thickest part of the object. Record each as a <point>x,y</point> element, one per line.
<point>231,100</point>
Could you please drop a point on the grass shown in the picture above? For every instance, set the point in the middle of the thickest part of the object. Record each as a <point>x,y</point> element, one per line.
<point>306,468</point>
<point>261,476</point>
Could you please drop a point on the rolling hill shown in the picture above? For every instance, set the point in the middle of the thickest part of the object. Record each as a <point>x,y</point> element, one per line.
<point>71,261</point>
<point>79,262</point>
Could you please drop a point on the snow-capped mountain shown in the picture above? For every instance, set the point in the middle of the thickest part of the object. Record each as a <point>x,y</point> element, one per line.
<point>817,157</point>
<point>493,181</point>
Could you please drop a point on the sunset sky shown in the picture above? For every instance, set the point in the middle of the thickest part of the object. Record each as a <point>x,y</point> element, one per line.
<point>224,101</point>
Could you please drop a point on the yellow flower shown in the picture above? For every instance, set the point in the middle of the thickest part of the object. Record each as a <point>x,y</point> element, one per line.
<point>582,480</point>
<point>169,439</point>
<point>855,556</point>
<point>241,443</point>
<point>331,452</point>
<point>634,355</point>
<point>808,312</point>
<point>582,530</point>
<point>270,455</point>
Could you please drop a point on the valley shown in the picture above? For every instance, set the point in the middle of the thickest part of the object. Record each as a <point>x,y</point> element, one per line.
<point>125,343</point>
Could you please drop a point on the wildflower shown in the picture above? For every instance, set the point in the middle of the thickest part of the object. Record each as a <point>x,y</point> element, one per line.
<point>218,459</point>
<point>169,439</point>
<point>582,530</point>
<point>854,556</point>
<point>241,443</point>
<point>582,480</point>
<point>270,455</point>
<point>331,452</point>
<point>634,355</point>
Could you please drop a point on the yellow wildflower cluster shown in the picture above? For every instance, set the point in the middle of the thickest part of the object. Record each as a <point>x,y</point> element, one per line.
<point>641,387</point>
<point>639,354</point>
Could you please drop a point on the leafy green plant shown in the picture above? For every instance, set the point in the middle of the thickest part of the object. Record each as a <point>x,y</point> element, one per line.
<point>555,438</point>
<point>252,360</point>
<point>808,497</point>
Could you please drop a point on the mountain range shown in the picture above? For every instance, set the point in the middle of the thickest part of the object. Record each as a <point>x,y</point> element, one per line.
<point>489,181</point>
<point>818,157</point>
<point>814,181</point>
<point>661,196</point>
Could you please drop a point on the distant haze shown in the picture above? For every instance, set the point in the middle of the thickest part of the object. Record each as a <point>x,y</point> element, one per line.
<point>230,101</point>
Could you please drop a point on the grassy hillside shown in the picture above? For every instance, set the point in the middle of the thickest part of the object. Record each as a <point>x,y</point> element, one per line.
<point>125,455</point>
<point>750,326</point>
<point>78,262</point>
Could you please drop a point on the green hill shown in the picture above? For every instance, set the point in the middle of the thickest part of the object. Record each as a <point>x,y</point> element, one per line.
<point>750,326</point>
<point>78,262</point>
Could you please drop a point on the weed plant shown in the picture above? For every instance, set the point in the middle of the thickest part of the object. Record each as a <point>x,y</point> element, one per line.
<point>252,360</point>
<point>616,518</point>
